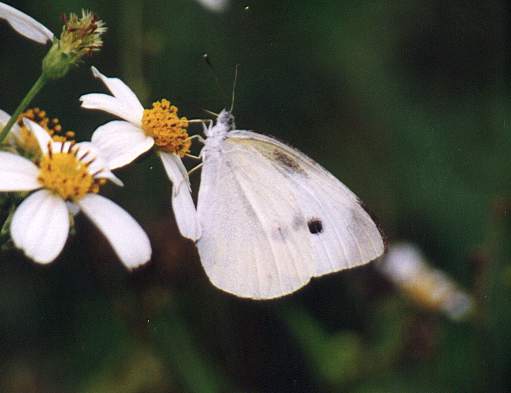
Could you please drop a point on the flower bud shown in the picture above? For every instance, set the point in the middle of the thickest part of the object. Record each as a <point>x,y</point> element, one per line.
<point>81,36</point>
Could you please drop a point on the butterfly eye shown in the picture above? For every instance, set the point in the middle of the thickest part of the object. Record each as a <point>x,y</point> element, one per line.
<point>226,119</point>
<point>230,121</point>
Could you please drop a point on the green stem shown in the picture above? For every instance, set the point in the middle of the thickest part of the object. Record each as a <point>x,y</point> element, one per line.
<point>38,85</point>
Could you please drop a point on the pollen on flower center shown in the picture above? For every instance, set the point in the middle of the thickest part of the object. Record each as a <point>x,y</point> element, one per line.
<point>168,129</point>
<point>64,174</point>
<point>26,139</point>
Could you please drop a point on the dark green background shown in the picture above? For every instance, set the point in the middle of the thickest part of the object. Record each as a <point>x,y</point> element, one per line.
<point>406,101</point>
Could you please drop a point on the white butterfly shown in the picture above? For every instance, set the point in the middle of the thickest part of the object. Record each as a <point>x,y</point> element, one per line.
<point>272,218</point>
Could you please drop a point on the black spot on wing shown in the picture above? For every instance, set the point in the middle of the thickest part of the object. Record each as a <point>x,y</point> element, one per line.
<point>315,226</point>
<point>288,162</point>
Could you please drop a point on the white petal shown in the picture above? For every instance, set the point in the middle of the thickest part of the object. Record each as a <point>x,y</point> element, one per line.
<point>4,119</point>
<point>57,146</point>
<point>72,208</point>
<point>43,138</point>
<point>126,236</point>
<point>122,92</point>
<point>90,154</point>
<point>40,226</point>
<point>25,25</point>
<point>110,176</point>
<point>182,202</point>
<point>121,142</point>
<point>106,103</point>
<point>4,116</point>
<point>214,5</point>
<point>113,105</point>
<point>17,173</point>
<point>14,135</point>
<point>176,171</point>
<point>66,146</point>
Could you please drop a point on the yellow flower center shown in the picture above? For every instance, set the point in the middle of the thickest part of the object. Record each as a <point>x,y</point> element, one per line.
<point>167,129</point>
<point>67,176</point>
<point>28,142</point>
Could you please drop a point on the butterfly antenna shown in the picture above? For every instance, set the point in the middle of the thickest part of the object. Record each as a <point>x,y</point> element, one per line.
<point>211,113</point>
<point>207,59</point>
<point>234,87</point>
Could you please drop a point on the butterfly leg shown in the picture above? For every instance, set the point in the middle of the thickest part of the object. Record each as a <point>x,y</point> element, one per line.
<point>198,137</point>
<point>194,157</point>
<point>197,121</point>
<point>201,140</point>
<point>195,168</point>
<point>205,129</point>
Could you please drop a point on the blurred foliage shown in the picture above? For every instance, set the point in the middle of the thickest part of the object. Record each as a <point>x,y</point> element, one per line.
<point>407,102</point>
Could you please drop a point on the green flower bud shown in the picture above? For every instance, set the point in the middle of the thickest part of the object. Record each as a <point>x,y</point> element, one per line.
<point>81,36</point>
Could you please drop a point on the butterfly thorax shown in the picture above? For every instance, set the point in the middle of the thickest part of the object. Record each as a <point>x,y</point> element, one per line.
<point>217,133</point>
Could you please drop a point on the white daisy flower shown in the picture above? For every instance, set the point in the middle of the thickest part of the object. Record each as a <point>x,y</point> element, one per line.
<point>25,25</point>
<point>406,267</point>
<point>66,179</point>
<point>122,141</point>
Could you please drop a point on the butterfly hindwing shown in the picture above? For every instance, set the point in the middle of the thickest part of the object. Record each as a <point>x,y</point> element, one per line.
<point>249,245</point>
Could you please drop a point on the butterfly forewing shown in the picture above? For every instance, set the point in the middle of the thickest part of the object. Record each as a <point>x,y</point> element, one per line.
<point>342,233</point>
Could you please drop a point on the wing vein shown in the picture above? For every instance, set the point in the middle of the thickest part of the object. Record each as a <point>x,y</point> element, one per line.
<point>276,264</point>
<point>320,204</point>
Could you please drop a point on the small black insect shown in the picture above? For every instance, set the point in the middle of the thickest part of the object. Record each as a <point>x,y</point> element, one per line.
<point>315,226</point>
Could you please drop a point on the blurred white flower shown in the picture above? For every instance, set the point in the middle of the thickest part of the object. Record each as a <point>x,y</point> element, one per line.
<point>25,25</point>
<point>431,288</point>
<point>214,5</point>
<point>67,178</point>
<point>122,141</point>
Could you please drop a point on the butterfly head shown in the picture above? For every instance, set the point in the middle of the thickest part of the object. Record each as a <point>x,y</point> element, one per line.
<point>224,123</point>
<point>225,119</point>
